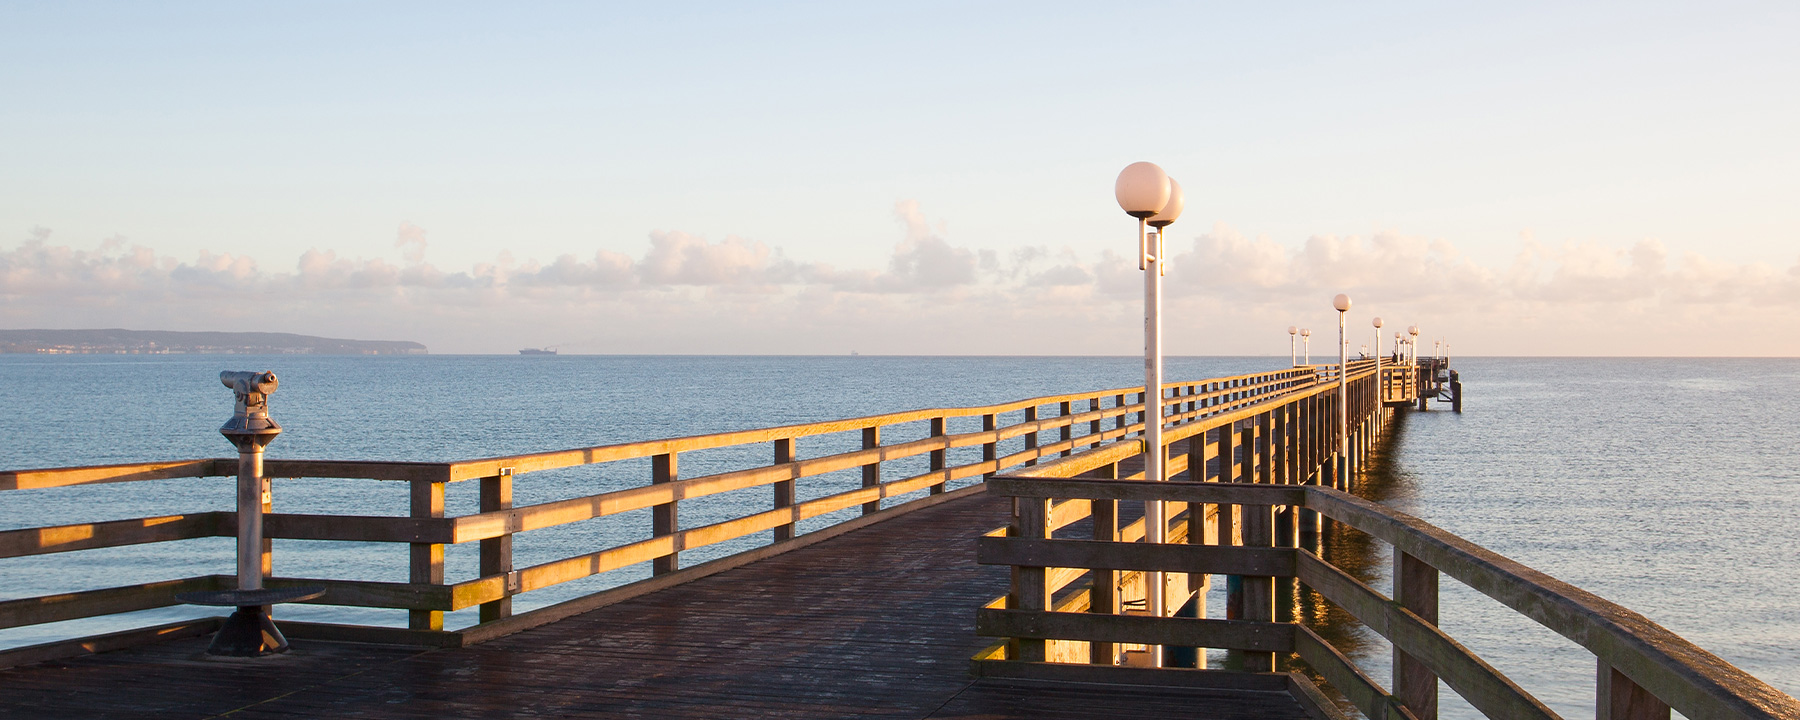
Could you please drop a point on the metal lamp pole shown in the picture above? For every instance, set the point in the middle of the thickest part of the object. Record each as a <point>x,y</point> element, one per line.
<point>1292,331</point>
<point>1145,192</point>
<point>1342,303</point>
<point>1306,344</point>
<point>1379,384</point>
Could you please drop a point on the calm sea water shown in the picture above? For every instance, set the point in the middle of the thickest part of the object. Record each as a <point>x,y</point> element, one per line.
<point>1670,486</point>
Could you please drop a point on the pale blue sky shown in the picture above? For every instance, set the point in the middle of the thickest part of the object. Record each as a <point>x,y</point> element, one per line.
<point>547,129</point>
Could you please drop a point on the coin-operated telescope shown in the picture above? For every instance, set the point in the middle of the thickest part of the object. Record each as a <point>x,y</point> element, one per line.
<point>250,422</point>
<point>250,632</point>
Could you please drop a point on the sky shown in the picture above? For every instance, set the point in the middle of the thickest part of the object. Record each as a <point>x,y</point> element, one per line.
<point>905,178</point>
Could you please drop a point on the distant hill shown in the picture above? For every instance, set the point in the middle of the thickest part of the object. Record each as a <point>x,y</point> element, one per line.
<point>135,342</point>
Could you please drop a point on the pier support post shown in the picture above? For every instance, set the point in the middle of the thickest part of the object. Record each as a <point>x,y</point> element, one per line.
<point>784,489</point>
<point>871,473</point>
<point>665,468</point>
<point>1618,698</point>
<point>497,553</point>
<point>1416,589</point>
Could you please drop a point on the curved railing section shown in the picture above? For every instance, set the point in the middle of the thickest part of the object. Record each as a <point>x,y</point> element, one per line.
<point>1063,615</point>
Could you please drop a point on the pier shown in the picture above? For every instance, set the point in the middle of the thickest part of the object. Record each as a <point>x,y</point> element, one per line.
<point>965,562</point>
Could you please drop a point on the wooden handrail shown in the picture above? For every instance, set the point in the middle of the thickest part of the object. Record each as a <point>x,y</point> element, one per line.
<point>1686,677</point>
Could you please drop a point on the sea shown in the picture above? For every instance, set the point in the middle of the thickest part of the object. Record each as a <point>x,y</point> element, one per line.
<point>1668,485</point>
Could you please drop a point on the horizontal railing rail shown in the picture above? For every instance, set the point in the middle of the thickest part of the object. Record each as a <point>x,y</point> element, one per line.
<point>1644,669</point>
<point>1012,434</point>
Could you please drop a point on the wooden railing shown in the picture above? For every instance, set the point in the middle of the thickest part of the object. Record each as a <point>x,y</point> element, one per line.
<point>1065,590</point>
<point>1008,435</point>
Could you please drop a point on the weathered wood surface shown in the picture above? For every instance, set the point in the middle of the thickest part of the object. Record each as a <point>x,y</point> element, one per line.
<point>873,623</point>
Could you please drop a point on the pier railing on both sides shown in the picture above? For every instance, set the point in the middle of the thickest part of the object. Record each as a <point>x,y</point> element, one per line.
<point>905,461</point>
<point>1247,500</point>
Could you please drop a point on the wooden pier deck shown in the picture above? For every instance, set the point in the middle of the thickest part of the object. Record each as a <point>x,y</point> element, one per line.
<point>876,623</point>
<point>976,562</point>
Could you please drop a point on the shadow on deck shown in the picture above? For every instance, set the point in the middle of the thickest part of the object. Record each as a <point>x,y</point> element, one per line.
<point>876,623</point>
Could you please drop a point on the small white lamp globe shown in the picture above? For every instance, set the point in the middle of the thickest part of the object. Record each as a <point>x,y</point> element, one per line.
<point>1292,329</point>
<point>1377,322</point>
<point>1142,189</point>
<point>1170,210</point>
<point>1341,302</point>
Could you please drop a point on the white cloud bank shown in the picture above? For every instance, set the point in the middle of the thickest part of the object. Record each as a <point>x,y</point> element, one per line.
<point>1226,294</point>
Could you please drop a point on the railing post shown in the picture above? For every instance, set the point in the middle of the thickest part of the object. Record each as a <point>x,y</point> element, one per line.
<point>665,468</point>
<point>1031,438</point>
<point>1030,585</point>
<point>871,473</point>
<point>784,489</point>
<point>1094,425</point>
<point>1416,589</point>
<point>427,558</point>
<point>1103,592</point>
<point>1258,593</point>
<point>1067,434</point>
<point>497,553</point>
<point>1120,421</point>
<point>990,451</point>
<point>937,456</point>
<point>1618,698</point>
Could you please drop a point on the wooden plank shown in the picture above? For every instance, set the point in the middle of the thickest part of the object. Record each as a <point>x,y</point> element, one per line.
<point>871,472</point>
<point>569,608</point>
<point>1130,676</point>
<point>426,472</point>
<point>413,597</point>
<point>1416,589</point>
<point>1343,675</point>
<point>333,632</point>
<point>1692,681</point>
<point>1030,588</point>
<point>1103,592</point>
<point>64,649</point>
<point>497,553</point>
<point>355,528</point>
<point>1484,687</point>
<point>426,562</point>
<point>115,533</point>
<point>107,601</point>
<point>1616,697</point>
<point>131,472</point>
<point>1138,629</point>
<point>1206,559</point>
<point>664,520</point>
<point>784,489</point>
<point>485,467</point>
<point>1173,490</point>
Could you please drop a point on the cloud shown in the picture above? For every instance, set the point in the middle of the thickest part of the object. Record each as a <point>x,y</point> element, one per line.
<point>686,293</point>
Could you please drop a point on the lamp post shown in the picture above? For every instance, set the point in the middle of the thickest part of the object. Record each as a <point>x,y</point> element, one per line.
<point>1342,303</point>
<point>1292,331</point>
<point>1379,385</point>
<point>1412,344</point>
<point>1306,344</point>
<point>1145,192</point>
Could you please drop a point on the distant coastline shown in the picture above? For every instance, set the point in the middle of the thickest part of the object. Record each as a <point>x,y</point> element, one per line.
<point>163,342</point>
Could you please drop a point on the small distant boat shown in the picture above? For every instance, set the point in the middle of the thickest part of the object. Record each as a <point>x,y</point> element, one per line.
<point>537,351</point>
